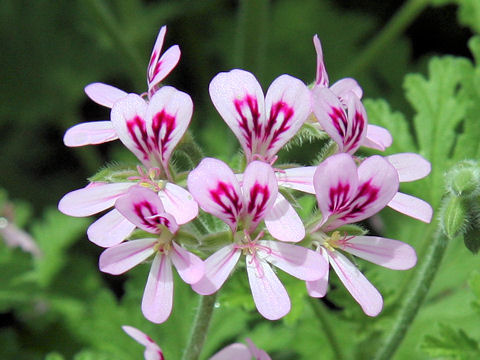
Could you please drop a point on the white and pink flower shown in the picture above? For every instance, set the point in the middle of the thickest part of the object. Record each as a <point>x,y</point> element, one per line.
<point>143,208</point>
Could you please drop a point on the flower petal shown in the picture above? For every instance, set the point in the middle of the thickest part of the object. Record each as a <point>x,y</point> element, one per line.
<point>218,267</point>
<point>318,288</point>
<point>156,51</point>
<point>111,229</point>
<point>239,99</point>
<point>216,189</point>
<point>287,106</point>
<point>189,266</point>
<point>90,133</point>
<point>157,299</point>
<point>321,78</point>
<point>103,94</point>
<point>412,206</point>
<point>178,202</point>
<point>138,335</point>
<point>236,351</point>
<point>392,254</point>
<point>168,116</point>
<point>257,353</point>
<point>377,138</point>
<point>260,189</point>
<point>163,67</point>
<point>299,178</point>
<point>270,296</point>
<point>346,87</point>
<point>143,207</point>
<point>122,257</point>
<point>357,284</point>
<point>283,222</point>
<point>410,166</point>
<point>295,260</point>
<point>92,199</point>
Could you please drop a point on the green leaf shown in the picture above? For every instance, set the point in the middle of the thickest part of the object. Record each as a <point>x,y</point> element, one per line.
<point>54,356</point>
<point>114,172</point>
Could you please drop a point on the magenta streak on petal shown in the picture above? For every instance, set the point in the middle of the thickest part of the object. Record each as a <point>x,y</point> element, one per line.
<point>141,144</point>
<point>250,102</point>
<point>233,206</point>
<point>257,208</point>
<point>150,219</point>
<point>156,70</point>
<point>366,195</point>
<point>338,197</point>
<point>340,121</point>
<point>166,122</point>
<point>351,141</point>
<point>279,107</point>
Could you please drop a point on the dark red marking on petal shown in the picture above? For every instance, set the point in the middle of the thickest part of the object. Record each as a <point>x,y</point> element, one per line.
<point>149,216</point>
<point>152,59</point>
<point>141,138</point>
<point>163,125</point>
<point>340,121</point>
<point>338,197</point>
<point>283,125</point>
<point>365,196</point>
<point>247,109</point>
<point>227,198</point>
<point>259,196</point>
<point>156,70</point>
<point>350,132</point>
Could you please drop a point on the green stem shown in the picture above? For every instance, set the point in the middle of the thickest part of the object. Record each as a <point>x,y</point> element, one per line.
<point>419,286</point>
<point>319,310</point>
<point>200,327</point>
<point>399,22</point>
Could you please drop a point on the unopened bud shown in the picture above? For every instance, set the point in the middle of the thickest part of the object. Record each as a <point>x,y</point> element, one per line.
<point>464,179</point>
<point>454,216</point>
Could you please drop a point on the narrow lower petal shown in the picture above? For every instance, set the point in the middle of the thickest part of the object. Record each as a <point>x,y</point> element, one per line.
<point>121,258</point>
<point>218,267</point>
<point>157,299</point>
<point>295,260</point>
<point>90,133</point>
<point>138,335</point>
<point>412,206</point>
<point>318,288</point>
<point>283,222</point>
<point>357,284</point>
<point>103,94</point>
<point>178,202</point>
<point>236,351</point>
<point>92,199</point>
<point>155,55</point>
<point>321,79</point>
<point>299,178</point>
<point>163,67</point>
<point>111,229</point>
<point>270,296</point>
<point>377,138</point>
<point>189,266</point>
<point>392,254</point>
<point>410,166</point>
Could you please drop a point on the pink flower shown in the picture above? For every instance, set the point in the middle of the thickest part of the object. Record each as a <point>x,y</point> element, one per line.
<point>346,194</point>
<point>98,132</point>
<point>151,131</point>
<point>218,192</point>
<point>152,350</point>
<point>239,351</point>
<point>143,208</point>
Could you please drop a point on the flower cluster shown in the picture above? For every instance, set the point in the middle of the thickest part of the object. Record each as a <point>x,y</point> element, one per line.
<point>154,208</point>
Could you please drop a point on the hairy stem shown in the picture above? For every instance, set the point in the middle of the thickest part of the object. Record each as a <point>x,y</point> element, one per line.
<point>397,24</point>
<point>419,286</point>
<point>319,310</point>
<point>200,327</point>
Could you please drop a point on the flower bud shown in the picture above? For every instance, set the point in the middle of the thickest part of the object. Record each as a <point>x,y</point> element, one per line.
<point>464,179</point>
<point>453,216</point>
<point>472,239</point>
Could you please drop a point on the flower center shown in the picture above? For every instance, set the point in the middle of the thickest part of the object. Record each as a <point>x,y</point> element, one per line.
<point>150,179</point>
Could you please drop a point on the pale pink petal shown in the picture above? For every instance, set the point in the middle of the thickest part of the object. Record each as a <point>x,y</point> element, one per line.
<point>392,254</point>
<point>143,207</point>
<point>14,236</point>
<point>260,189</point>
<point>346,87</point>
<point>157,299</point>
<point>189,266</point>
<point>92,198</point>
<point>122,257</point>
<point>377,138</point>
<point>156,51</point>
<point>216,189</point>
<point>168,115</point>
<point>295,260</point>
<point>152,353</point>
<point>283,222</point>
<point>321,78</point>
<point>234,351</point>
<point>239,99</point>
<point>138,335</point>
<point>128,119</point>
<point>299,178</point>
<point>163,67</point>
<point>218,267</point>
<point>178,202</point>
<point>90,133</point>
<point>410,166</point>
<point>357,284</point>
<point>412,206</point>
<point>257,353</point>
<point>336,183</point>
<point>111,229</point>
<point>318,288</point>
<point>103,94</point>
<point>287,106</point>
<point>269,295</point>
